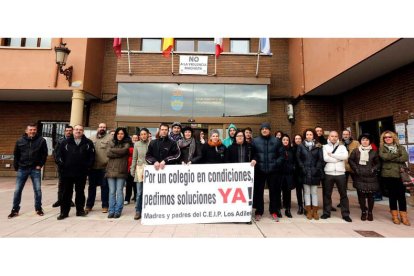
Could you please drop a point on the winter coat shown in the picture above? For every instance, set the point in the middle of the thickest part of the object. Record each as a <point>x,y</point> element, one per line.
<point>30,152</point>
<point>229,140</point>
<point>101,146</point>
<point>286,165</point>
<point>197,156</point>
<point>138,157</point>
<point>350,147</point>
<point>311,163</point>
<point>75,160</point>
<point>163,149</point>
<point>365,176</point>
<point>297,175</point>
<point>266,150</point>
<point>392,162</point>
<point>238,153</point>
<point>335,164</point>
<point>212,154</point>
<point>118,154</point>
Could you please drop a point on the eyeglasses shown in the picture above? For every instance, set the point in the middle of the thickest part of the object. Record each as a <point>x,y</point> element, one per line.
<point>240,136</point>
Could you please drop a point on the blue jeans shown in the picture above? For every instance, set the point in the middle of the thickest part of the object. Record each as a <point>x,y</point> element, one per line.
<point>116,195</point>
<point>138,200</point>
<point>97,178</point>
<point>22,175</point>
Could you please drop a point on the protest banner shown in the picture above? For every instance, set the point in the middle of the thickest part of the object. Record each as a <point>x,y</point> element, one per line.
<point>208,193</point>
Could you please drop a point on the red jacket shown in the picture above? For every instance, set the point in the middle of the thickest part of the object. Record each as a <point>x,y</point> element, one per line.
<point>131,151</point>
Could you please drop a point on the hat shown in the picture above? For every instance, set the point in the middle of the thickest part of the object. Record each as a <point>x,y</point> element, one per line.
<point>187,128</point>
<point>176,124</point>
<point>265,125</point>
<point>214,131</point>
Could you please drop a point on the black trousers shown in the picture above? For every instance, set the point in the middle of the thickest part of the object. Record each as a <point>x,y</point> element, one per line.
<point>364,198</point>
<point>396,192</point>
<point>329,182</point>
<point>286,193</point>
<point>130,185</point>
<point>60,188</point>
<point>68,183</point>
<point>299,193</point>
<point>260,180</point>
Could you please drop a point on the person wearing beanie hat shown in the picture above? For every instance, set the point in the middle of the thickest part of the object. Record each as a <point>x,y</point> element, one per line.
<point>175,133</point>
<point>266,150</point>
<point>214,151</point>
<point>365,164</point>
<point>230,139</point>
<point>189,147</point>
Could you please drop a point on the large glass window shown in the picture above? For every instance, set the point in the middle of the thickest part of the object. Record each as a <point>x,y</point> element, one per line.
<point>194,45</point>
<point>33,42</point>
<point>240,46</point>
<point>191,100</point>
<point>151,44</point>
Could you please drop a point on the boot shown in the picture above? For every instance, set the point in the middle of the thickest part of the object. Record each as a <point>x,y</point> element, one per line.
<point>395,219</point>
<point>404,218</point>
<point>300,210</point>
<point>308,209</point>
<point>315,212</point>
<point>288,213</point>
<point>364,215</point>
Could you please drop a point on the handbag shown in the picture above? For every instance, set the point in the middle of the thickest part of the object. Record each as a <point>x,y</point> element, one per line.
<point>139,173</point>
<point>406,176</point>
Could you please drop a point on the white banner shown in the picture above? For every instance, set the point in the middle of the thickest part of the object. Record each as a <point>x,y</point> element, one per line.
<point>207,193</point>
<point>194,65</point>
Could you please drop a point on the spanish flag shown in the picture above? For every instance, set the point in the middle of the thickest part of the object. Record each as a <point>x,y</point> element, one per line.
<point>167,46</point>
<point>117,47</point>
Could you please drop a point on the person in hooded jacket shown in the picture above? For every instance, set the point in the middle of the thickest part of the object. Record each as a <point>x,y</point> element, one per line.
<point>239,151</point>
<point>117,170</point>
<point>231,136</point>
<point>213,151</point>
<point>190,148</point>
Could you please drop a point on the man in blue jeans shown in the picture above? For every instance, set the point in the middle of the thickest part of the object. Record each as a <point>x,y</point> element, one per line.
<point>30,155</point>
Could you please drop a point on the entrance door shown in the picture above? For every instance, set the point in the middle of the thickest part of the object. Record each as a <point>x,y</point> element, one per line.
<point>376,127</point>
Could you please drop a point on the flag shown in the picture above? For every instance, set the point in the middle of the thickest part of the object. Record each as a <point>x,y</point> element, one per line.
<point>167,46</point>
<point>265,46</point>
<point>117,47</point>
<point>219,46</point>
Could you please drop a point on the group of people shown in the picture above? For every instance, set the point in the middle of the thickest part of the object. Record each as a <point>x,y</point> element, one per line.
<point>118,160</point>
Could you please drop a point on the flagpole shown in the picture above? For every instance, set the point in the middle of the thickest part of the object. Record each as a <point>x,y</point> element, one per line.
<point>172,62</point>
<point>129,59</point>
<point>215,64</point>
<point>258,57</point>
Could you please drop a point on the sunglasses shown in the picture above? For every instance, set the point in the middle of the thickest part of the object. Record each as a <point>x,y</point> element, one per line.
<point>387,137</point>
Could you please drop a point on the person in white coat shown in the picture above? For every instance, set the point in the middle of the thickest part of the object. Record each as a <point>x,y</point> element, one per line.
<point>335,154</point>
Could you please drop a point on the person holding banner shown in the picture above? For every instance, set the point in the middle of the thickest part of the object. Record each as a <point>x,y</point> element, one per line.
<point>214,150</point>
<point>266,149</point>
<point>162,150</point>
<point>117,170</point>
<point>189,147</point>
<point>137,167</point>
<point>238,152</point>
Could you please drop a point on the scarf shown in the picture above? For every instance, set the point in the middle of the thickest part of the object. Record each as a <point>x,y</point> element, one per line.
<point>183,143</point>
<point>391,148</point>
<point>212,144</point>
<point>175,137</point>
<point>310,144</point>
<point>363,160</point>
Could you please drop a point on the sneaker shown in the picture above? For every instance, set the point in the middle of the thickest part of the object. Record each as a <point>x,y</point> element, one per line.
<point>126,202</point>
<point>137,215</point>
<point>117,215</point>
<point>40,212</point>
<point>104,210</point>
<point>56,204</point>
<point>13,214</point>
<point>275,217</point>
<point>325,216</point>
<point>257,217</point>
<point>347,219</point>
<point>111,215</point>
<point>62,216</point>
<point>278,213</point>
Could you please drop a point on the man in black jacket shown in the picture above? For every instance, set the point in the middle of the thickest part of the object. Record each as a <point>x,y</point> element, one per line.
<point>163,150</point>
<point>75,157</point>
<point>68,133</point>
<point>266,149</point>
<point>30,155</point>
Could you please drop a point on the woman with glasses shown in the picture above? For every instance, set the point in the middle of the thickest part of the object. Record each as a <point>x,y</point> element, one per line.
<point>238,152</point>
<point>393,156</point>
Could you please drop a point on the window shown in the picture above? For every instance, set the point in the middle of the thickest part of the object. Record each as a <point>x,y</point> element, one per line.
<point>240,46</point>
<point>27,42</point>
<point>194,45</point>
<point>151,45</point>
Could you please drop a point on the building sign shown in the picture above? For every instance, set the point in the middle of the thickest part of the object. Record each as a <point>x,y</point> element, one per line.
<point>208,193</point>
<point>193,65</point>
<point>177,100</point>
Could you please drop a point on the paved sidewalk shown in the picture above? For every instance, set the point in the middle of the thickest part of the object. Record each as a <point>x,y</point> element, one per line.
<point>96,224</point>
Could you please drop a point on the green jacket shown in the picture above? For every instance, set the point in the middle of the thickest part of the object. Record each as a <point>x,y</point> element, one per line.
<point>229,140</point>
<point>391,162</point>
